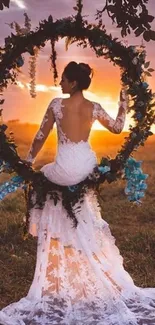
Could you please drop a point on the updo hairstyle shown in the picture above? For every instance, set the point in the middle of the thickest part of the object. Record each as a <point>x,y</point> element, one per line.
<point>80,72</point>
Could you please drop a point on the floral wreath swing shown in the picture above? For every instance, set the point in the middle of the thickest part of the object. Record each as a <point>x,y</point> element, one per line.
<point>134,69</point>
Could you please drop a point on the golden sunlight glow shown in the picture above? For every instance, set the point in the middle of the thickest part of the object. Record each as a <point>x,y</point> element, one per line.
<point>40,87</point>
<point>20,85</point>
<point>110,106</point>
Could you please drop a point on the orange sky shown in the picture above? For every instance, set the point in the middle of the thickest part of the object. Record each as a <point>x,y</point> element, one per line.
<point>104,88</point>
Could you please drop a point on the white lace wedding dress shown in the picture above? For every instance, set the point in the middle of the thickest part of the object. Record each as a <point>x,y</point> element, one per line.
<point>79,277</point>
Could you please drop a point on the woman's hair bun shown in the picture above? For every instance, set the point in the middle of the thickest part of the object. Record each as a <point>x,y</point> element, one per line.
<point>80,72</point>
<point>85,68</point>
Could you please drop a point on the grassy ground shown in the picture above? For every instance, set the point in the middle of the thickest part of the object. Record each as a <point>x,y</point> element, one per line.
<point>133,227</point>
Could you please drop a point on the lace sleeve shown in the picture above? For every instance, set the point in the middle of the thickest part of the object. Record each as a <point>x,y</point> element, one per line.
<point>42,134</point>
<point>115,126</point>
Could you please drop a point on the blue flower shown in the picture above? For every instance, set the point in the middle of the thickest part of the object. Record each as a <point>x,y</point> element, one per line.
<point>139,116</point>
<point>73,188</point>
<point>145,85</point>
<point>11,186</point>
<point>17,179</point>
<point>133,135</point>
<point>109,44</point>
<point>133,49</point>
<point>143,186</point>
<point>7,165</point>
<point>20,62</point>
<point>104,169</point>
<point>138,163</point>
<point>135,180</point>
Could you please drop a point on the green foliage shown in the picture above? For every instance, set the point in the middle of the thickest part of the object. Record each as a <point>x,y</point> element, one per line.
<point>130,15</point>
<point>127,14</point>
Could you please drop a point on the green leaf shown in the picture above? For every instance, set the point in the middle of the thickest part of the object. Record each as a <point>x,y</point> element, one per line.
<point>111,8</point>
<point>139,31</point>
<point>147,36</point>
<point>151,70</point>
<point>146,65</point>
<point>152,33</point>
<point>150,18</point>
<point>148,74</point>
<point>2,101</point>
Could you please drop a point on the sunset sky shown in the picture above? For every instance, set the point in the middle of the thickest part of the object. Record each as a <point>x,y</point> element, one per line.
<point>105,86</point>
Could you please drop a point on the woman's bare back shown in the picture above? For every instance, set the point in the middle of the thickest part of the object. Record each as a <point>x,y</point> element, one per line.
<point>74,119</point>
<point>77,119</point>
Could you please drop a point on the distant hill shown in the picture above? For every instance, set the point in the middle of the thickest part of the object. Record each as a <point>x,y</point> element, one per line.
<point>106,138</point>
<point>25,132</point>
<point>104,143</point>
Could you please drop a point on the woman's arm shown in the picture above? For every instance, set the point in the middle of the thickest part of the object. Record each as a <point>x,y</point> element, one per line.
<point>42,134</point>
<point>114,126</point>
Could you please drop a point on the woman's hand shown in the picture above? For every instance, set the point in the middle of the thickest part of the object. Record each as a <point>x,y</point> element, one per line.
<point>28,163</point>
<point>124,100</point>
<point>123,95</point>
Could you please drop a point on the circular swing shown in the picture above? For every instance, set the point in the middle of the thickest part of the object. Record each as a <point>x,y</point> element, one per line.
<point>131,61</point>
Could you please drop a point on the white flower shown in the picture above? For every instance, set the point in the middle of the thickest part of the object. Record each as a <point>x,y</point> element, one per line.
<point>135,61</point>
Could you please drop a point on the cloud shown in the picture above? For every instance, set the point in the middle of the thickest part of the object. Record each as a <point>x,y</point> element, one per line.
<point>39,87</point>
<point>20,3</point>
<point>106,101</point>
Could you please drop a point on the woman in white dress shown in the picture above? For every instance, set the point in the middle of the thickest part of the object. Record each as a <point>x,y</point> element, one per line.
<point>79,277</point>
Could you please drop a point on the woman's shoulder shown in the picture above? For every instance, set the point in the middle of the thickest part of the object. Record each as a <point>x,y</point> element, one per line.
<point>56,100</point>
<point>92,102</point>
<point>95,104</point>
<point>55,105</point>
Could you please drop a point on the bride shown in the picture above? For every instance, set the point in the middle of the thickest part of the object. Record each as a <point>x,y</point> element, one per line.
<point>79,277</point>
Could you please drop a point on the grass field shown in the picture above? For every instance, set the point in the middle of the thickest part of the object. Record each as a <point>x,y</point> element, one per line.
<point>133,226</point>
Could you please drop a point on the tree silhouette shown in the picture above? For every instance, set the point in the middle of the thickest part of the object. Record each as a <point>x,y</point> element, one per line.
<point>128,15</point>
<point>4,3</point>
